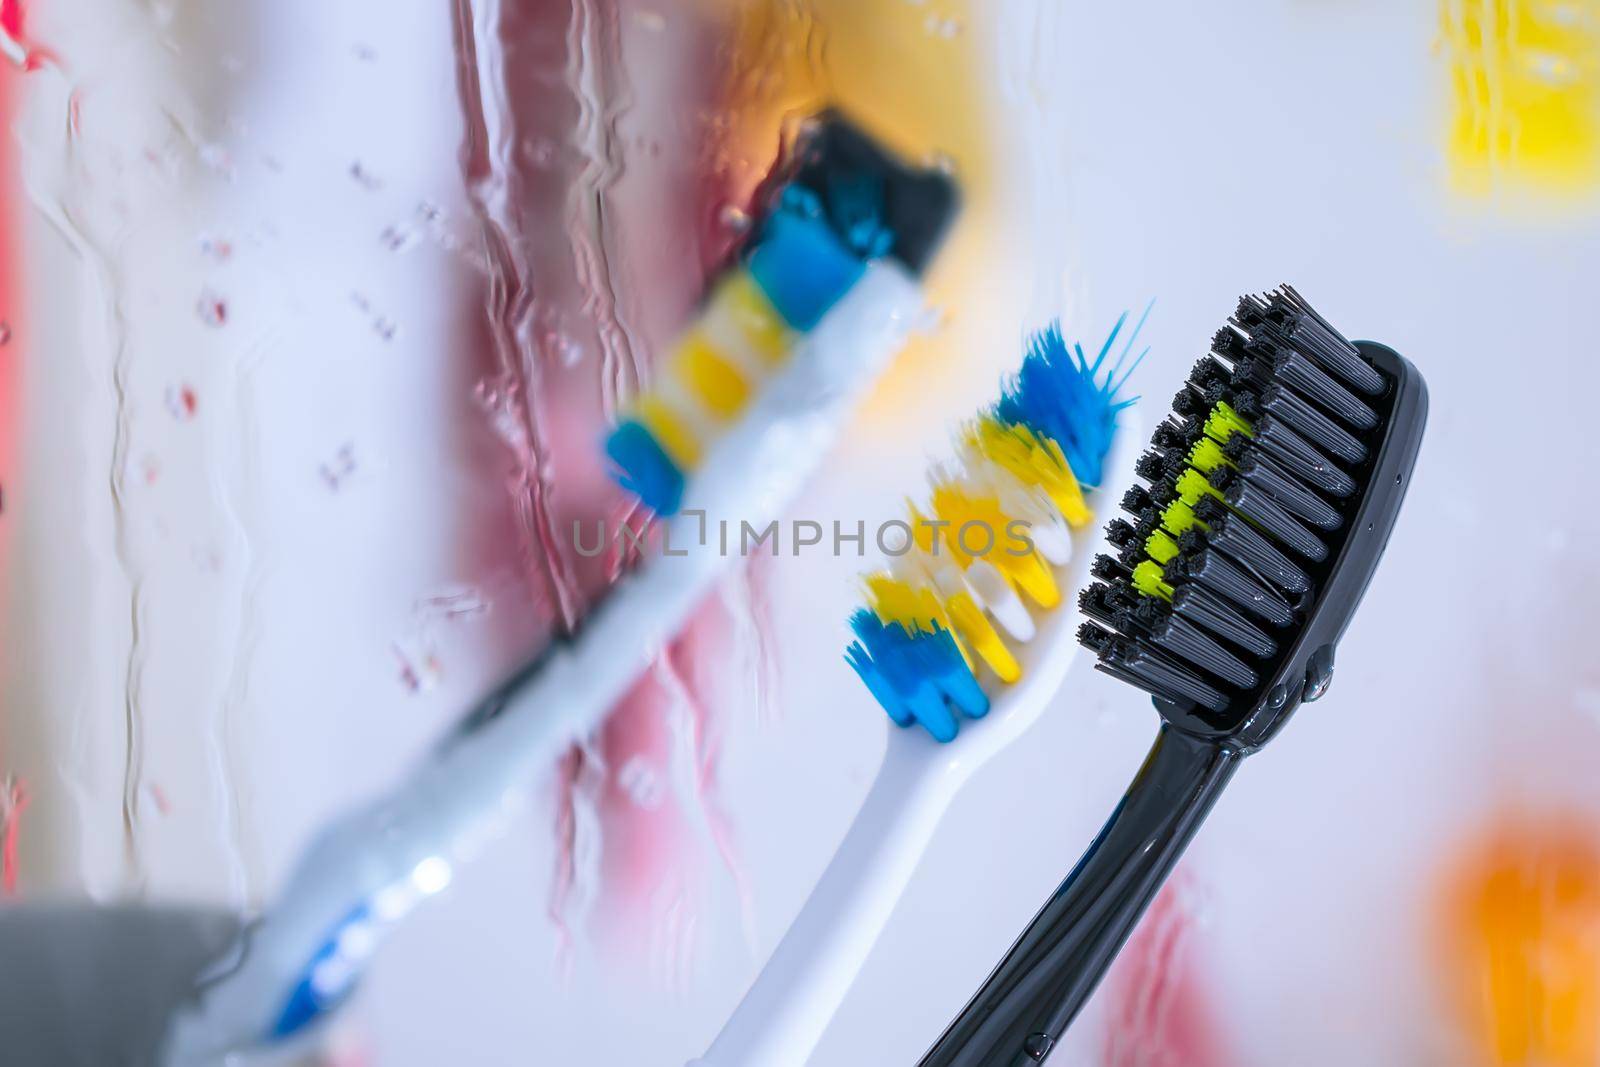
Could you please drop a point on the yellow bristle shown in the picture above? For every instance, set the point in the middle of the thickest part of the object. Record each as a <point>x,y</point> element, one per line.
<point>1179,518</point>
<point>1224,422</point>
<point>1148,579</point>
<point>957,508</point>
<point>1192,485</point>
<point>1160,546</point>
<point>1033,461</point>
<point>740,300</point>
<point>921,528</point>
<point>974,628</point>
<point>914,607</point>
<point>1206,456</point>
<point>710,377</point>
<point>669,429</point>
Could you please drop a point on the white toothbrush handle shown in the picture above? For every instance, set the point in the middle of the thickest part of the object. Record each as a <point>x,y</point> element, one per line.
<point>364,871</point>
<point>785,1012</point>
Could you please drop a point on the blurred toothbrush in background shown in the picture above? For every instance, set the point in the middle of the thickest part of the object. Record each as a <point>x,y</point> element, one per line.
<point>817,302</point>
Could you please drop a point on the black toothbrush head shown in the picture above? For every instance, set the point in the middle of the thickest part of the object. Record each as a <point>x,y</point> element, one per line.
<point>1274,485</point>
<point>876,203</point>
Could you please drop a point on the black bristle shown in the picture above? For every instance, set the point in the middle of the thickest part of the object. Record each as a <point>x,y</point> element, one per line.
<point>1248,407</point>
<point>1158,674</point>
<point>1120,532</point>
<point>1130,662</point>
<point>1203,607</point>
<point>1249,310</point>
<point>1227,343</point>
<point>1293,369</point>
<point>1286,489</point>
<point>1212,570</point>
<point>1246,573</point>
<point>1094,638</point>
<point>1120,594</point>
<point>1151,466</point>
<point>1185,640</point>
<point>1315,336</point>
<point>1263,509</point>
<point>1208,372</point>
<point>1136,500</point>
<point>1293,455</point>
<point>1297,455</point>
<point>1187,403</point>
<point>1093,603</point>
<point>1107,569</point>
<point>1169,435</point>
<point>1316,427</point>
<point>1162,496</point>
<point>1233,535</point>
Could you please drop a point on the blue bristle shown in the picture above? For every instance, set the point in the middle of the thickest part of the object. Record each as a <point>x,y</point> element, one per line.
<point>917,677</point>
<point>644,469</point>
<point>1060,394</point>
<point>854,211</point>
<point>802,267</point>
<point>309,1000</point>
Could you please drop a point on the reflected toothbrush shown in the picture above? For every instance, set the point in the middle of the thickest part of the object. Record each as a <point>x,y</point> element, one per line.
<point>965,642</point>
<point>1273,487</point>
<point>752,396</point>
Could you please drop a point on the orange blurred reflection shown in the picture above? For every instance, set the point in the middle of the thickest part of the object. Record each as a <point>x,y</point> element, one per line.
<point>1522,942</point>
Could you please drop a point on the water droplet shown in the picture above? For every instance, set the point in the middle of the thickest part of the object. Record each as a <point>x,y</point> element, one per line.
<point>451,603</point>
<point>654,21</point>
<point>336,471</point>
<point>213,309</point>
<point>945,28</point>
<point>564,348</point>
<point>219,249</point>
<point>182,401</point>
<point>734,218</point>
<point>419,670</point>
<point>541,152</point>
<point>156,797</point>
<point>500,406</point>
<point>365,178</point>
<point>1551,69</point>
<point>398,238</point>
<point>382,325</point>
<point>364,52</point>
<point>5,333</point>
<point>642,782</point>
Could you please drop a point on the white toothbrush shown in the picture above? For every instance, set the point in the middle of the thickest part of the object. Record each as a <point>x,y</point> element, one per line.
<point>365,871</point>
<point>786,1010</point>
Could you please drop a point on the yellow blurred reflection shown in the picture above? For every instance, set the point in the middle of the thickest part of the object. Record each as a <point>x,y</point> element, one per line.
<point>1525,84</point>
<point>913,74</point>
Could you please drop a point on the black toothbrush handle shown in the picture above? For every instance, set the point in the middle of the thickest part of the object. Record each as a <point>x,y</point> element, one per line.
<point>1026,1004</point>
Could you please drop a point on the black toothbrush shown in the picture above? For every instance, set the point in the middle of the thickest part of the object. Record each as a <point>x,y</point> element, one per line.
<point>1274,485</point>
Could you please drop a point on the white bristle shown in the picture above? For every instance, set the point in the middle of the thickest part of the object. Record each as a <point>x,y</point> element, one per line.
<point>991,589</point>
